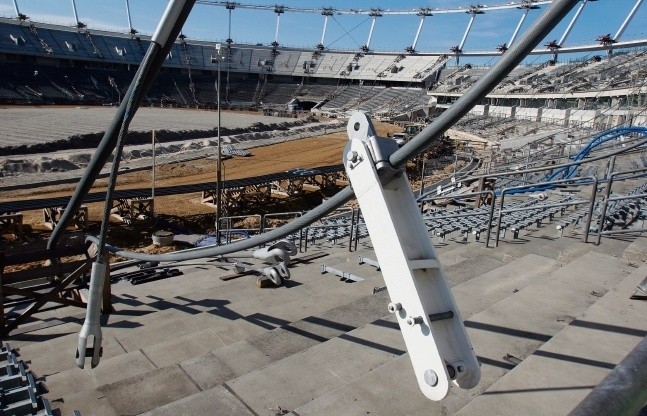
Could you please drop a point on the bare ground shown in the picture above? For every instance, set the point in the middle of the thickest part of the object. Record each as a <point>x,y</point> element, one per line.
<point>186,210</point>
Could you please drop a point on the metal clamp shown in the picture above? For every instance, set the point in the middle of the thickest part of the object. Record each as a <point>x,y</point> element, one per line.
<point>92,325</point>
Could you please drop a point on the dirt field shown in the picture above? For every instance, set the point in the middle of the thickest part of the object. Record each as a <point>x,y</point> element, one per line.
<point>187,208</point>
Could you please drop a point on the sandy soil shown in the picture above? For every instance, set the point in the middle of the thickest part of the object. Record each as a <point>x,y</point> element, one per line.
<point>310,152</point>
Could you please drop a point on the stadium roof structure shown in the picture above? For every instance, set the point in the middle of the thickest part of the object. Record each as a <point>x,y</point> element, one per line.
<point>600,42</point>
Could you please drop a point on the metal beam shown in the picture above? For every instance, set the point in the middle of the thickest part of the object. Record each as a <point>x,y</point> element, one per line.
<point>467,31</point>
<point>513,57</point>
<point>76,15</point>
<point>630,16</point>
<point>463,9</point>
<point>415,40</point>
<point>15,6</point>
<point>571,24</point>
<point>130,21</point>
<point>516,31</point>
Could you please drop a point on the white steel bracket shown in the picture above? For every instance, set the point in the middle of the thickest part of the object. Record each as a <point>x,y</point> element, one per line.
<point>431,325</point>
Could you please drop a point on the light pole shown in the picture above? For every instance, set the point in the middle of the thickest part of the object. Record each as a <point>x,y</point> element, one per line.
<point>219,160</point>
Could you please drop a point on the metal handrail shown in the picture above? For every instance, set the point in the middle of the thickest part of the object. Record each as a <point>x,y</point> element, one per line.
<point>229,229</point>
<point>593,179</point>
<point>608,197</point>
<point>294,214</point>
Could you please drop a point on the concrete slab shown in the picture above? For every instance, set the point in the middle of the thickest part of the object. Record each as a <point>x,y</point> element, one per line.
<point>216,401</point>
<point>564,370</point>
<point>478,293</point>
<point>391,388</point>
<point>114,369</point>
<point>370,347</point>
<point>471,268</point>
<point>226,363</point>
<point>637,250</point>
<point>153,389</point>
<point>63,359</point>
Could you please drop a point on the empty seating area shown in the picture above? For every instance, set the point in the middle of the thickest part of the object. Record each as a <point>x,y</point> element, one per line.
<point>590,74</point>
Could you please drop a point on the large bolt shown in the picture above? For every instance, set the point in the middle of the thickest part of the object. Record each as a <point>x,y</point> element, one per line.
<point>394,307</point>
<point>431,378</point>
<point>414,320</point>
<point>352,156</point>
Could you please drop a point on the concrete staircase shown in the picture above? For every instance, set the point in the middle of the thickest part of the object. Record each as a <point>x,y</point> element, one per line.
<point>196,344</point>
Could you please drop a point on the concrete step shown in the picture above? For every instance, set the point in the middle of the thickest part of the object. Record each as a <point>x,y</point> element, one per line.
<point>132,313</point>
<point>222,363</point>
<point>166,342</point>
<point>636,251</point>
<point>558,376</point>
<point>516,325</point>
<point>236,359</point>
<point>364,349</point>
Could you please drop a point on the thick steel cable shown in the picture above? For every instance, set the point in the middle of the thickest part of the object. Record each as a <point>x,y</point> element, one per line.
<point>114,172</point>
<point>542,27</point>
<point>168,30</point>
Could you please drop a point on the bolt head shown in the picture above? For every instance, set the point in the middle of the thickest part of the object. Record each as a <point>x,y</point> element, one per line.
<point>394,307</point>
<point>414,320</point>
<point>431,378</point>
<point>352,156</point>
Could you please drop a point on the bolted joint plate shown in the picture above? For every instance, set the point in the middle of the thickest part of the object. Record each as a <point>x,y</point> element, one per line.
<point>360,127</point>
<point>412,274</point>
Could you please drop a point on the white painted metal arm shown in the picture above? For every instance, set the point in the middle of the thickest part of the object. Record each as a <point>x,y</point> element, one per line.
<point>431,325</point>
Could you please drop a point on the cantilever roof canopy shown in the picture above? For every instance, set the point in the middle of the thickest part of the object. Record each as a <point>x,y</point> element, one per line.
<point>372,11</point>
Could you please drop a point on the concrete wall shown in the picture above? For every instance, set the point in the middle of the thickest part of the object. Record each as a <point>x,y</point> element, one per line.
<point>533,114</point>
<point>501,111</point>
<point>584,118</point>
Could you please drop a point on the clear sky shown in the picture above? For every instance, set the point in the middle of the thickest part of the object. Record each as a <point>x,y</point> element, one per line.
<point>392,33</point>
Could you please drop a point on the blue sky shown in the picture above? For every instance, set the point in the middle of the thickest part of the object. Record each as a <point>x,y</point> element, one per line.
<point>392,33</point>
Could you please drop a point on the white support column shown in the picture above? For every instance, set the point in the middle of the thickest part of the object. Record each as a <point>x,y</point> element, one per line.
<point>422,13</point>
<point>370,33</point>
<point>624,24</point>
<point>15,6</point>
<point>375,13</point>
<point>516,31</point>
<point>76,15</point>
<point>429,319</point>
<point>473,11</point>
<point>229,6</point>
<point>467,31</point>
<point>326,13</point>
<point>323,33</point>
<point>279,10</point>
<point>130,21</point>
<point>571,24</point>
